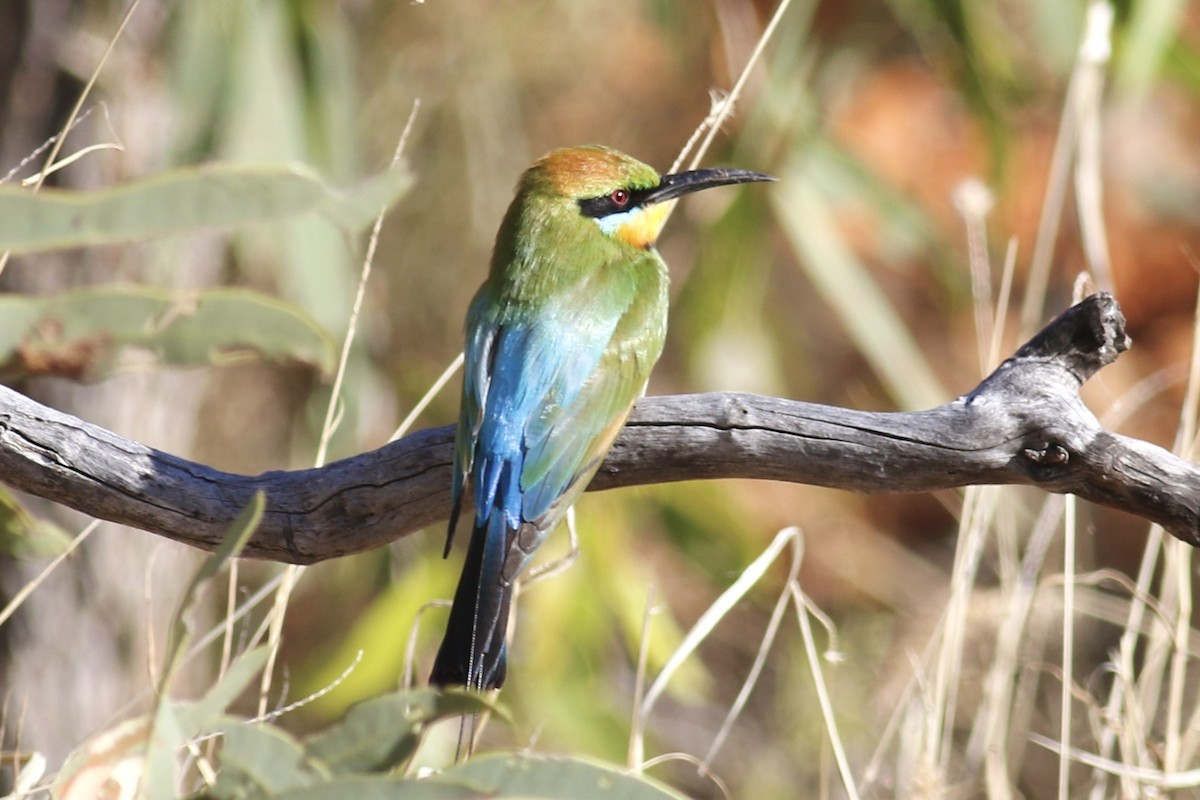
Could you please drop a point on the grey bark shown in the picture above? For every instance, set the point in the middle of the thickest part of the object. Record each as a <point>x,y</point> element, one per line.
<point>1024,424</point>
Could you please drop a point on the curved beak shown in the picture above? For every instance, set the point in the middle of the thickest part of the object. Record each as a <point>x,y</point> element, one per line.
<point>681,183</point>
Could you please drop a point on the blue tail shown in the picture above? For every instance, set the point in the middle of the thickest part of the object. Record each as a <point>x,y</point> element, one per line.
<point>473,652</point>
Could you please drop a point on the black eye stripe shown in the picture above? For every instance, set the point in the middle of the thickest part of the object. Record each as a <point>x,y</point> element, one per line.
<point>604,205</point>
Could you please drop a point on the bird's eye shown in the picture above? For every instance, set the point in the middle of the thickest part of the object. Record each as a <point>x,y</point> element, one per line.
<point>619,197</point>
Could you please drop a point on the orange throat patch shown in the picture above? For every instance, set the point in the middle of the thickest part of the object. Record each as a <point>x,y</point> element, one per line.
<point>642,228</point>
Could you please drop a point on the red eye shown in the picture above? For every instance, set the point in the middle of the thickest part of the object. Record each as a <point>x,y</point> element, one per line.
<point>620,198</point>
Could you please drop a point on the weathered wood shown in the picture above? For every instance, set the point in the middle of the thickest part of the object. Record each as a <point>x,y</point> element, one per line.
<point>1025,423</point>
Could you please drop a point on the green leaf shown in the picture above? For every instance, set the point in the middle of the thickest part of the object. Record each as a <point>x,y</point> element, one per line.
<point>143,753</point>
<point>379,787</point>
<point>383,732</point>
<point>240,530</point>
<point>175,723</point>
<point>1152,31</point>
<point>166,739</point>
<point>847,286</point>
<point>534,776</point>
<point>78,334</point>
<point>205,714</point>
<point>188,199</point>
<point>22,535</point>
<point>260,760</point>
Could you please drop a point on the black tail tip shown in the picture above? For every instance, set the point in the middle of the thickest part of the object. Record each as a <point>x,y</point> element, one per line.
<point>453,672</point>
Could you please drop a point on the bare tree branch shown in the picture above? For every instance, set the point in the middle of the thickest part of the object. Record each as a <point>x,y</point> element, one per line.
<point>1024,424</point>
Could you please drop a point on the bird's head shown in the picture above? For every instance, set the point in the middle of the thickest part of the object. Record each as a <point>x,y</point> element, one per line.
<point>626,199</point>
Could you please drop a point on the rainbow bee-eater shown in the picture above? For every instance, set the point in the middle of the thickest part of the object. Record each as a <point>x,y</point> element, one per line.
<point>560,341</point>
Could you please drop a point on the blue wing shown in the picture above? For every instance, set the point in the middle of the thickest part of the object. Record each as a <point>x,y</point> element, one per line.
<point>543,396</point>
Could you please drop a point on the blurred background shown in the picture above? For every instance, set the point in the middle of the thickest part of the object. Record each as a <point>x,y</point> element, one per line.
<point>900,129</point>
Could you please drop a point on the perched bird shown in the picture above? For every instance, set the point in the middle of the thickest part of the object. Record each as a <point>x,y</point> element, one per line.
<point>560,341</point>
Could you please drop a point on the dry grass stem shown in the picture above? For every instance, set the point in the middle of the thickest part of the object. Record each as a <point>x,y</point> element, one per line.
<point>814,664</point>
<point>689,759</point>
<point>725,603</point>
<point>434,390</point>
<point>56,147</point>
<point>31,586</point>
<point>1003,298</point>
<point>760,658</point>
<point>974,202</point>
<point>637,732</point>
<point>723,108</point>
<point>1094,55</point>
<point>291,574</point>
<point>410,650</point>
<point>68,161</point>
<point>1086,81</point>
<point>1068,642</point>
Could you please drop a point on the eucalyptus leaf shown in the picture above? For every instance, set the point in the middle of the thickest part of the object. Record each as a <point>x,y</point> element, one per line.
<point>379,787</point>
<point>22,535</point>
<point>262,760</point>
<point>383,732</point>
<point>206,713</point>
<point>188,199</point>
<point>536,776</point>
<point>179,633</point>
<point>79,334</point>
<point>167,737</point>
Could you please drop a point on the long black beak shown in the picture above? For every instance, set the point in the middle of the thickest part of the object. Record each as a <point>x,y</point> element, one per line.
<point>681,183</point>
